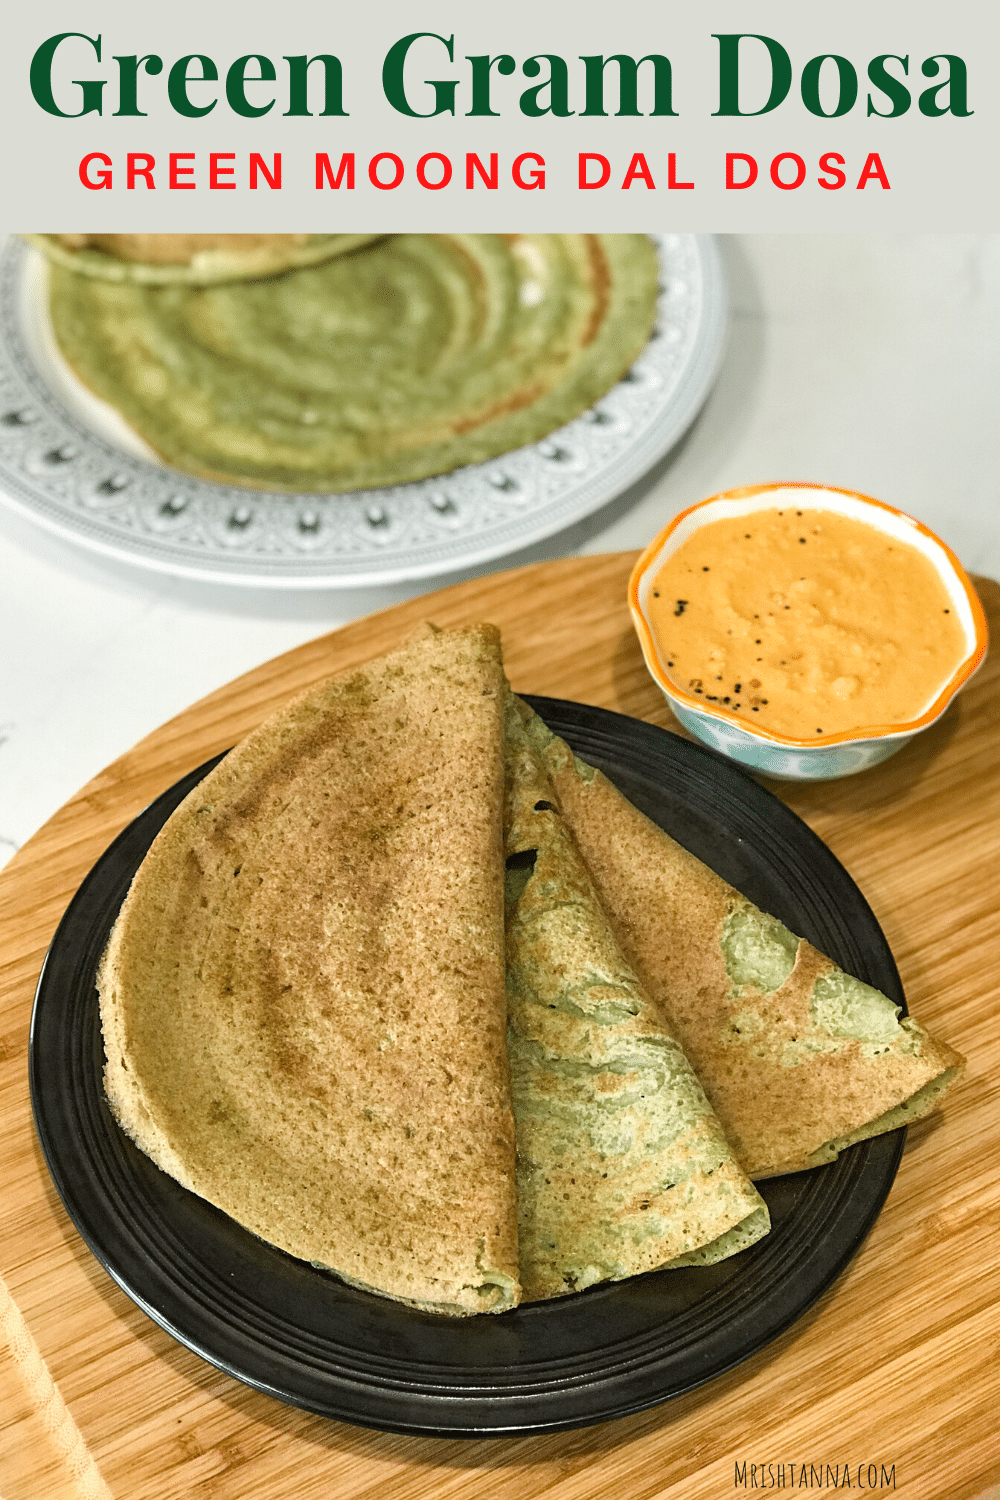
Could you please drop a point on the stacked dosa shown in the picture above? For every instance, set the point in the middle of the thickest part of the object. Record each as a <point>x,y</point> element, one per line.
<point>798,1059</point>
<point>303,997</point>
<point>621,1165</point>
<point>410,357</point>
<point>195,259</point>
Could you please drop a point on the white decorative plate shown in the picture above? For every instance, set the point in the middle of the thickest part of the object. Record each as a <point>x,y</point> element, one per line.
<point>69,463</point>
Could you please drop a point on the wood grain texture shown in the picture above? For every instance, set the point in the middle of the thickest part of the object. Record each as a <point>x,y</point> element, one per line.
<point>897,1364</point>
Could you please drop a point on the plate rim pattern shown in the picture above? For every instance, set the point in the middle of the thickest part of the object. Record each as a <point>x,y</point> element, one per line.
<point>58,472</point>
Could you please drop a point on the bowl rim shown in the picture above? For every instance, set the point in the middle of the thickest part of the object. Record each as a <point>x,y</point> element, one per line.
<point>969,664</point>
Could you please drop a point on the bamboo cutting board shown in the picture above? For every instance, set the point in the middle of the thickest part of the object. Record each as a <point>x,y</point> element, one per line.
<point>895,1368</point>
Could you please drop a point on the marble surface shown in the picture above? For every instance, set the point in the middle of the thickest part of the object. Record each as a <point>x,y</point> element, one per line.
<point>868,362</point>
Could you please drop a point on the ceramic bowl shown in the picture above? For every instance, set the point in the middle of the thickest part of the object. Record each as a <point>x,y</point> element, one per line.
<point>777,755</point>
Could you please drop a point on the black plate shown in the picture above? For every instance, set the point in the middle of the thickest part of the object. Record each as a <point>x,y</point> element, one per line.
<point>285,1328</point>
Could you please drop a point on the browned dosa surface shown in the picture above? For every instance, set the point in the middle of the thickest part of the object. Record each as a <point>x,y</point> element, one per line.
<point>788,1090</point>
<point>897,1364</point>
<point>621,1165</point>
<point>303,998</point>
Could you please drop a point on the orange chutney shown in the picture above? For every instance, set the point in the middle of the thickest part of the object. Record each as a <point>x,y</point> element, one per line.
<point>805,623</point>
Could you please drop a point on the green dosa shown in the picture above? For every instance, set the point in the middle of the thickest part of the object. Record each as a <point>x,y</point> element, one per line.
<point>621,1165</point>
<point>411,357</point>
<point>191,259</point>
<point>303,996</point>
<point>797,1058</point>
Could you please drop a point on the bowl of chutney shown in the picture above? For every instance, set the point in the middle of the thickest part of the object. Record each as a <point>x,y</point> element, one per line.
<point>806,632</point>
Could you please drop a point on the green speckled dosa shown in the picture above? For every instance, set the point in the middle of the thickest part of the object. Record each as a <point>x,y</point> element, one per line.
<point>621,1165</point>
<point>798,1059</point>
<point>411,357</point>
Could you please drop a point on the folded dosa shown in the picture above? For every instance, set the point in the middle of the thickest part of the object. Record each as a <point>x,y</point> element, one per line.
<point>303,997</point>
<point>798,1059</point>
<point>191,259</point>
<point>621,1165</point>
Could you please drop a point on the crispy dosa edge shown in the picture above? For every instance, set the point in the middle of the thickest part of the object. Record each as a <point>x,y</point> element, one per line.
<point>789,1091</point>
<point>192,259</point>
<point>351,1106</point>
<point>622,1167</point>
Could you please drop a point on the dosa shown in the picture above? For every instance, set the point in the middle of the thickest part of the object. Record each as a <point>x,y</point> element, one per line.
<point>798,1059</point>
<point>191,259</point>
<point>303,996</point>
<point>621,1165</point>
<point>411,357</point>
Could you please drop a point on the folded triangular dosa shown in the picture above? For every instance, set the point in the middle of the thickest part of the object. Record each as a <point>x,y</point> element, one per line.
<point>303,997</point>
<point>621,1165</point>
<point>797,1058</point>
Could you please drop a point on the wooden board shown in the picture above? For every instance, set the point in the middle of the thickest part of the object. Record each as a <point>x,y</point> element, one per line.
<point>896,1366</point>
